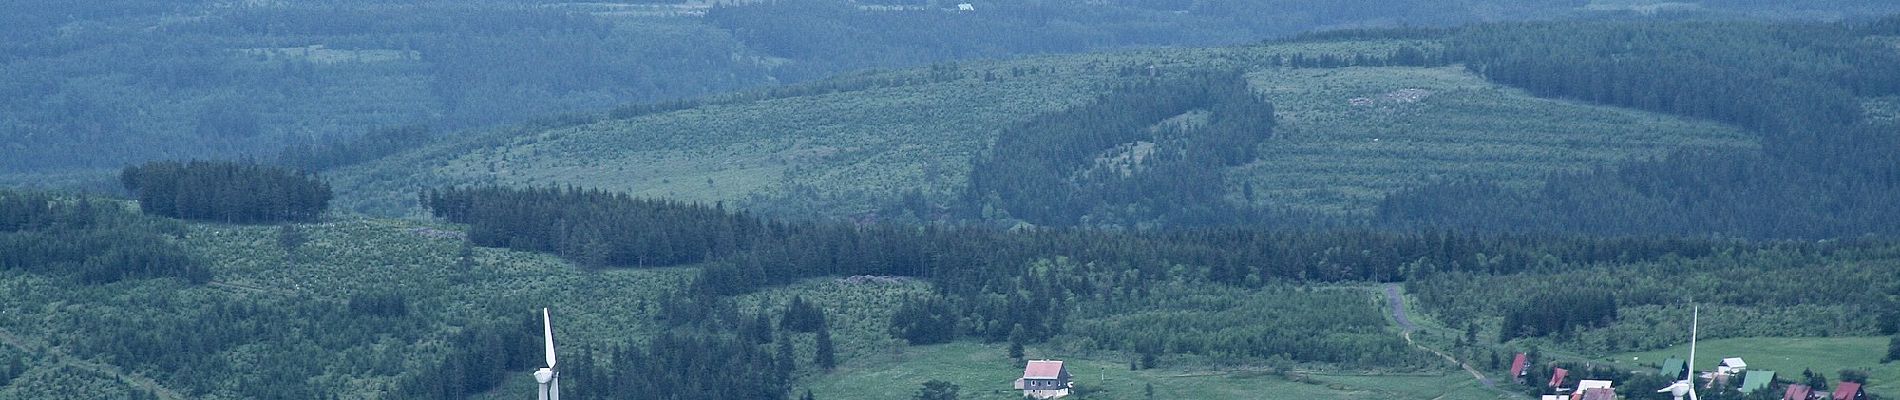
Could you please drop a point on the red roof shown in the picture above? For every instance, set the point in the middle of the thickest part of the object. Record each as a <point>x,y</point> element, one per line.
<point>1797,392</point>
<point>1846,391</point>
<point>1557,377</point>
<point>1599,394</point>
<point>1043,369</point>
<point>1517,365</point>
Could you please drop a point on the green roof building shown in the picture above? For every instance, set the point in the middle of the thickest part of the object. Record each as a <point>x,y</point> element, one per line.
<point>1674,369</point>
<point>1757,380</point>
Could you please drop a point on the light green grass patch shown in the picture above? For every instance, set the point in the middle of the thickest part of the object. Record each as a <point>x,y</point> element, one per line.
<point>1641,6</point>
<point>324,55</point>
<point>1786,356</point>
<point>1886,109</point>
<point>1349,136</point>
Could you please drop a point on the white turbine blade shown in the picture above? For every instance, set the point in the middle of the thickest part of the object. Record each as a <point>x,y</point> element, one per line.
<point>1695,323</point>
<point>554,388</point>
<point>544,391</point>
<point>547,331</point>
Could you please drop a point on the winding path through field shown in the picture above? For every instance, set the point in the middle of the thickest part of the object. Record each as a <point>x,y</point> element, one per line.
<point>1397,300</point>
<point>60,357</point>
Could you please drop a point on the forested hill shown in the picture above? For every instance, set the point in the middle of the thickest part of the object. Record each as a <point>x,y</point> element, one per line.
<point>1697,127</point>
<point>97,85</point>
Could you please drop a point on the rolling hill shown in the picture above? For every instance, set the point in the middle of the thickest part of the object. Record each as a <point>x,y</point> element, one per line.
<point>1349,135</point>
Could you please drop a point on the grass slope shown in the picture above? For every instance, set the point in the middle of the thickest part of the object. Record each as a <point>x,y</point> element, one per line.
<point>844,153</point>
<point>1787,357</point>
<point>1349,136</point>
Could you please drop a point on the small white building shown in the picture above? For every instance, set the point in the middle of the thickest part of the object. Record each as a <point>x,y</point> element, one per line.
<point>1731,366</point>
<point>1588,384</point>
<point>1044,379</point>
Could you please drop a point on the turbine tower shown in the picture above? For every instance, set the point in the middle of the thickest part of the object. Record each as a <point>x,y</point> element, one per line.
<point>1687,385</point>
<point>549,379</point>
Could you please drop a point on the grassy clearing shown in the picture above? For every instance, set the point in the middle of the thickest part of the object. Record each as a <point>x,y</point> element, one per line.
<point>984,371</point>
<point>1349,136</point>
<point>1786,356</point>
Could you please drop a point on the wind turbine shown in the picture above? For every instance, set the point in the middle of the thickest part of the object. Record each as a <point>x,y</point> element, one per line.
<point>549,379</point>
<point>1687,385</point>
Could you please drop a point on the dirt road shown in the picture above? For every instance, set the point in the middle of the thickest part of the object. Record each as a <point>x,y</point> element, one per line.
<point>1396,299</point>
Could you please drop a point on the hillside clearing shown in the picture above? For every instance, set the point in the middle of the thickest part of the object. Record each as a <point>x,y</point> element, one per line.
<point>1350,136</point>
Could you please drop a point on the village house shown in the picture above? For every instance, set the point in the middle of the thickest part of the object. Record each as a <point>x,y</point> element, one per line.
<point>1044,379</point>
<point>1557,376</point>
<point>1797,392</point>
<point>1674,368</point>
<point>1731,366</point>
<point>1757,380</point>
<point>1849,391</point>
<point>1518,370</point>
<point>1589,389</point>
<point>1595,394</point>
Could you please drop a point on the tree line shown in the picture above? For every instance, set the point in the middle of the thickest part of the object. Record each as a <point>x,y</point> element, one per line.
<point>1150,152</point>
<point>224,191</point>
<point>595,228</point>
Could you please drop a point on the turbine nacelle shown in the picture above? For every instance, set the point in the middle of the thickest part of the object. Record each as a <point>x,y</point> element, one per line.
<point>1678,389</point>
<point>544,375</point>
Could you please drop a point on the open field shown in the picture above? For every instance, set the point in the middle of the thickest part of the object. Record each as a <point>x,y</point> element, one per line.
<point>1787,357</point>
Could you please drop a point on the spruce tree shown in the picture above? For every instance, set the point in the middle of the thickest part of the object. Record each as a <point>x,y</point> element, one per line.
<point>1016,342</point>
<point>825,357</point>
<point>786,363</point>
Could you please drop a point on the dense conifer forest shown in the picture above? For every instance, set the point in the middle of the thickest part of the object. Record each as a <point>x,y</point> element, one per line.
<point>95,241</point>
<point>226,191</point>
<point>1150,153</point>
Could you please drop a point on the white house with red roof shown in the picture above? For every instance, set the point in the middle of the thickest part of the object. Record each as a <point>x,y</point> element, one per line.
<point>1044,379</point>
